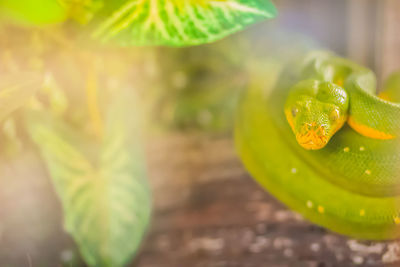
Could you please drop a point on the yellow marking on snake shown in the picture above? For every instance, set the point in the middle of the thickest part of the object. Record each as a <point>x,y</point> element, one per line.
<point>312,138</point>
<point>384,96</point>
<point>290,119</point>
<point>367,131</point>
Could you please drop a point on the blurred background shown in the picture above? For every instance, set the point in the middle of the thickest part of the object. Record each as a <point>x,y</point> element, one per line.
<point>207,209</point>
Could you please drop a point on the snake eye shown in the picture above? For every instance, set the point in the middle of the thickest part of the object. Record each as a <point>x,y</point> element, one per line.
<point>334,116</point>
<point>294,112</point>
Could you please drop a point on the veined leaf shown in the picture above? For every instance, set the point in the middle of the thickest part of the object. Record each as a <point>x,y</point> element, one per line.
<point>15,90</point>
<point>106,200</point>
<point>181,22</point>
<point>82,11</point>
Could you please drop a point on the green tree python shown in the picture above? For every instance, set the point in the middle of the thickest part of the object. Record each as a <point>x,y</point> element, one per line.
<point>326,145</point>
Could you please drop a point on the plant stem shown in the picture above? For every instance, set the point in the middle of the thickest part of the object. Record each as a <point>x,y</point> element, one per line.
<point>92,100</point>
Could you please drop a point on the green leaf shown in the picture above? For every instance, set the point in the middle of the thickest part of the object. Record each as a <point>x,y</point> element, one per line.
<point>105,197</point>
<point>181,22</point>
<point>29,12</point>
<point>16,90</point>
<point>82,11</point>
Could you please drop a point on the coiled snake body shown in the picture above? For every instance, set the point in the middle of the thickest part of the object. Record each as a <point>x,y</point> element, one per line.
<point>297,143</point>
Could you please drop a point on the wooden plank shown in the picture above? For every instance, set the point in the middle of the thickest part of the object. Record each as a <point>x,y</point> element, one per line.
<point>388,35</point>
<point>210,212</point>
<point>361,31</point>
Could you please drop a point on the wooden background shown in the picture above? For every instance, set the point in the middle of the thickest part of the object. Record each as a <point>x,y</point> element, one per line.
<point>210,213</point>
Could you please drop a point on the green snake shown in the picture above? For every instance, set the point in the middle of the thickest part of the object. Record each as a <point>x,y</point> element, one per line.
<point>326,145</point>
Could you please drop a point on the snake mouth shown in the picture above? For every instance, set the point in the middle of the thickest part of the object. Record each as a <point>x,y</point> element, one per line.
<point>312,137</point>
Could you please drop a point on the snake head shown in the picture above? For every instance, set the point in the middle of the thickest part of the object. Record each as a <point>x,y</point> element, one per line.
<point>316,111</point>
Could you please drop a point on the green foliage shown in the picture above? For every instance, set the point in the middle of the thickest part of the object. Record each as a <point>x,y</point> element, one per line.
<point>145,22</point>
<point>102,182</point>
<point>199,86</point>
<point>180,23</point>
<point>28,12</point>
<point>103,189</point>
<point>82,11</point>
